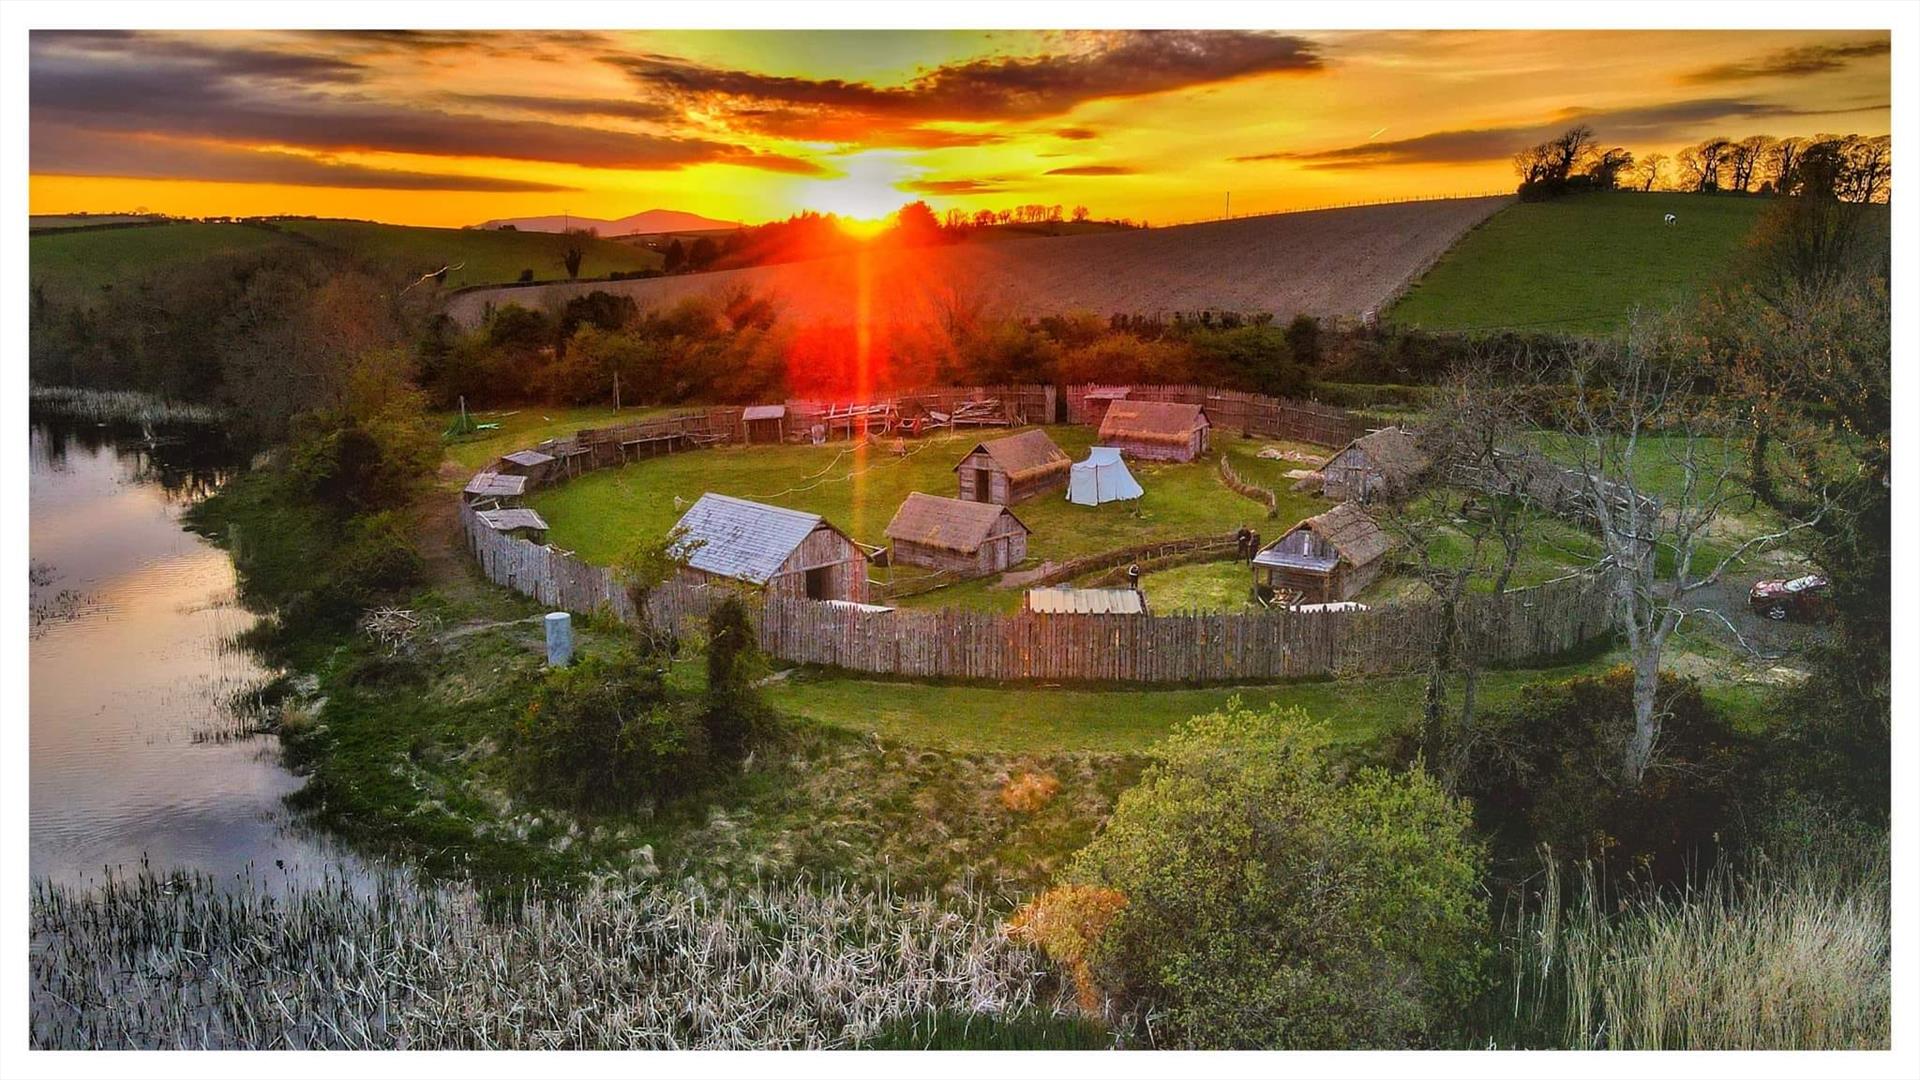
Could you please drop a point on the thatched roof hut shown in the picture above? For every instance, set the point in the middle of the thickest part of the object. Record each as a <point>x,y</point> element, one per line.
<point>1156,430</point>
<point>1013,469</point>
<point>1388,462</point>
<point>955,535</point>
<point>1326,558</point>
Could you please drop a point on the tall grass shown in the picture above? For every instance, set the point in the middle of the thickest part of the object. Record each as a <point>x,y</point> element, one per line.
<point>1778,956</point>
<point>156,962</point>
<point>116,406</point>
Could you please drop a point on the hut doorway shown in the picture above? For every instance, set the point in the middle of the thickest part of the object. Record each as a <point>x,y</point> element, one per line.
<point>982,486</point>
<point>820,583</point>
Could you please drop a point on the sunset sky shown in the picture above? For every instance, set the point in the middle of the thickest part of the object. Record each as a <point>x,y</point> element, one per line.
<point>454,127</point>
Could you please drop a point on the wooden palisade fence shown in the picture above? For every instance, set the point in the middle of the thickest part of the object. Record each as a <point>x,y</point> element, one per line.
<point>964,644</point>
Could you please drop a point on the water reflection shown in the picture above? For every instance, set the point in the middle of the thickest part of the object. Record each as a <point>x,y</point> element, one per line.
<point>132,664</point>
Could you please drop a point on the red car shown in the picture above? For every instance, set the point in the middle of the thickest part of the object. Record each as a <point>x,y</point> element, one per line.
<point>1800,598</point>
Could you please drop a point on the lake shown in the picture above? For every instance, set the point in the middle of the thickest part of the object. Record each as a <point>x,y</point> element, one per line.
<point>136,749</point>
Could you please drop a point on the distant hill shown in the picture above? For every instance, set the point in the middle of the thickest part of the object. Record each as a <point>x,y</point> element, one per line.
<point>80,264</point>
<point>649,221</point>
<point>1580,264</point>
<point>1319,262</point>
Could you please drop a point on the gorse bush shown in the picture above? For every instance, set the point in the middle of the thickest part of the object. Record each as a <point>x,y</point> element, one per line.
<point>1268,904</point>
<point>608,733</point>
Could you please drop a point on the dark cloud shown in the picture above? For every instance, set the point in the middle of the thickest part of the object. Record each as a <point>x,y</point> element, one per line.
<point>207,98</point>
<point>622,108</point>
<point>1076,133</point>
<point>954,187</point>
<point>189,56</point>
<point>55,150</point>
<point>1649,122</point>
<point>1791,63</point>
<point>1093,170</point>
<point>1087,67</point>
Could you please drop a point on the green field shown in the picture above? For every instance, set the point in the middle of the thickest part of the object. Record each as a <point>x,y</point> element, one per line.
<point>76,266</point>
<point>600,514</point>
<point>486,256</point>
<point>1579,264</point>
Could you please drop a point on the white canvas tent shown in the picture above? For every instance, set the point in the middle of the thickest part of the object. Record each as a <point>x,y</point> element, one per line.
<point>1102,478</point>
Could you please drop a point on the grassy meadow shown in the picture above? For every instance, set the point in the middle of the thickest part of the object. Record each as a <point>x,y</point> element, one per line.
<point>859,489</point>
<point>1579,264</point>
<point>75,266</point>
<point>490,256</point>
<point>80,264</point>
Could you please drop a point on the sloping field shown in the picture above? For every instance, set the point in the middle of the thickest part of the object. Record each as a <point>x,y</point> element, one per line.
<point>78,264</point>
<point>1321,262</point>
<point>75,266</point>
<point>490,256</point>
<point>1581,263</point>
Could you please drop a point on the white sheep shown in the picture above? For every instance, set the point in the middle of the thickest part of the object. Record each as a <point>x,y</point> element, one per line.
<point>1671,219</point>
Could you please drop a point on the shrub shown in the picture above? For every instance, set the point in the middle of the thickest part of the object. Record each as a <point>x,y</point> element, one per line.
<point>1269,905</point>
<point>1545,771</point>
<point>953,1029</point>
<point>734,714</point>
<point>1029,792</point>
<point>1067,923</point>
<point>608,734</point>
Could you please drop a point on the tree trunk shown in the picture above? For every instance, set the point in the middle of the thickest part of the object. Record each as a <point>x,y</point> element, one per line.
<point>1646,720</point>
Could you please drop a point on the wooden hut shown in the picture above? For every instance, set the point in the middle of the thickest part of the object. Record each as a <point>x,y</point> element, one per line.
<point>515,521</point>
<point>1383,464</point>
<point>1156,430</point>
<point>1324,559</point>
<point>765,423</point>
<point>787,553</point>
<point>494,487</point>
<point>1013,469</point>
<point>532,464</point>
<point>968,538</point>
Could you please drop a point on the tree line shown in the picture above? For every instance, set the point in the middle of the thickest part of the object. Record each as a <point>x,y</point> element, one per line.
<point>1851,168</point>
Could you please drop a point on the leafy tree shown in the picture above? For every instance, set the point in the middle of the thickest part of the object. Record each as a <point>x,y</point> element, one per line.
<point>733,712</point>
<point>675,258</point>
<point>701,255</point>
<point>1269,905</point>
<point>570,257</point>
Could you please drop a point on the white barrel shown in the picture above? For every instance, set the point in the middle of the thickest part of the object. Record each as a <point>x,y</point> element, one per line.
<point>559,639</point>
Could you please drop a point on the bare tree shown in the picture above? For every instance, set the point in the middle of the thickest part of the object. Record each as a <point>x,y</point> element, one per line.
<point>1701,164</point>
<point>1632,420</point>
<point>1648,170</point>
<point>1468,530</point>
<point>1607,166</point>
<point>1744,161</point>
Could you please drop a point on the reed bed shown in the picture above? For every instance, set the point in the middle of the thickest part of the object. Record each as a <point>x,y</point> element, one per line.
<point>117,406</point>
<point>150,962</point>
<point>1777,957</point>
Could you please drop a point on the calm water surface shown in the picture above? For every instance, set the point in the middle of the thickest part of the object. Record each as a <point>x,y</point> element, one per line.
<point>133,668</point>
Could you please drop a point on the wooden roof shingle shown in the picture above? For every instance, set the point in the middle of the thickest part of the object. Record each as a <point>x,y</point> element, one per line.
<point>748,541</point>
<point>1348,530</point>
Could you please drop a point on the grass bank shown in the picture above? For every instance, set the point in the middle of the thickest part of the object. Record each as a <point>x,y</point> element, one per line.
<point>1579,264</point>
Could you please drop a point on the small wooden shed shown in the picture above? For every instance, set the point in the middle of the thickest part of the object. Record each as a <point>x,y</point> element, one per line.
<point>788,553</point>
<point>1156,430</point>
<point>765,423</point>
<point>515,521</point>
<point>1383,464</point>
<point>532,464</point>
<point>1324,559</point>
<point>1013,469</point>
<point>495,487</point>
<point>954,535</point>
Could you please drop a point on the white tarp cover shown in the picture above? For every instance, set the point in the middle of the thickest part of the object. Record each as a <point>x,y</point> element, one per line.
<point>1102,478</point>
